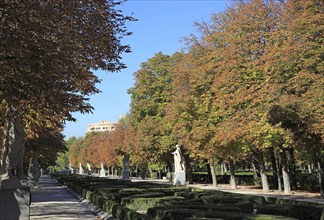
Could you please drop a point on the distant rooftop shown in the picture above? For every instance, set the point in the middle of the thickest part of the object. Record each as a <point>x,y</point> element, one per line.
<point>101,126</point>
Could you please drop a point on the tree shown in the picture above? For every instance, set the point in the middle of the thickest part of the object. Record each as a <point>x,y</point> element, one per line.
<point>190,108</point>
<point>96,154</point>
<point>63,157</point>
<point>74,152</point>
<point>298,77</point>
<point>151,95</point>
<point>48,53</point>
<point>45,146</point>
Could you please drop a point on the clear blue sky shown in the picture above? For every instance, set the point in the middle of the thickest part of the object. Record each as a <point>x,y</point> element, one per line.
<point>160,27</point>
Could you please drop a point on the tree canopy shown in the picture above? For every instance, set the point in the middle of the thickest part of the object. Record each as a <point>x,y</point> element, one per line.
<point>249,86</point>
<point>49,50</point>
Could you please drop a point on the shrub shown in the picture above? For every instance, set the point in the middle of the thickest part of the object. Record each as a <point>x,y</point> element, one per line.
<point>143,204</point>
<point>170,191</point>
<point>98,200</point>
<point>268,217</point>
<point>232,197</point>
<point>107,190</point>
<point>123,198</point>
<point>88,194</point>
<point>177,213</point>
<point>294,211</point>
<point>108,205</point>
<point>207,207</point>
<point>308,182</point>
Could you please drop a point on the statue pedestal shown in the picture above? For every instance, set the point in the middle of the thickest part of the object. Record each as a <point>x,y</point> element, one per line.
<point>102,173</point>
<point>179,178</point>
<point>14,203</point>
<point>125,175</point>
<point>126,168</point>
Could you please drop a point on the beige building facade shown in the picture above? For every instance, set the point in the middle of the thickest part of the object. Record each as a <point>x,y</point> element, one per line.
<point>101,126</point>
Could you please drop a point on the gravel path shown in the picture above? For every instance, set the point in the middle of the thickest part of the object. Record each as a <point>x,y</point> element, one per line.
<point>52,201</point>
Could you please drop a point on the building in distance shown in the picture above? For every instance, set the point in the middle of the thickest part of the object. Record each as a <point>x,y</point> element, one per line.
<point>101,126</point>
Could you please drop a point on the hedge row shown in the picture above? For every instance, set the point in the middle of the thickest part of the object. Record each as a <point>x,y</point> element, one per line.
<point>143,200</point>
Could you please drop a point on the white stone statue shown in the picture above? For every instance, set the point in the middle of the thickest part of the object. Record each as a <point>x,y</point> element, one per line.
<point>102,171</point>
<point>80,169</point>
<point>88,166</point>
<point>179,168</point>
<point>88,169</point>
<point>178,161</point>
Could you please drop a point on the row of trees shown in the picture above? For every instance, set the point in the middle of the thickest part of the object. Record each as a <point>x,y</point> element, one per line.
<point>248,87</point>
<point>48,52</point>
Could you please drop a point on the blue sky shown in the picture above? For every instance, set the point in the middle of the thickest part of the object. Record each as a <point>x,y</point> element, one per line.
<point>160,27</point>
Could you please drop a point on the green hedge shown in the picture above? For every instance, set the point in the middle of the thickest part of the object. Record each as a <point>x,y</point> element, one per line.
<point>172,213</point>
<point>124,198</point>
<point>142,203</point>
<point>295,211</point>
<point>269,217</point>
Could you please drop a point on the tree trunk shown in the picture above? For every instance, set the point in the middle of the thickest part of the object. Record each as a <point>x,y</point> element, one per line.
<point>143,171</point>
<point>285,174</point>
<point>213,173</point>
<point>6,145</point>
<point>320,179</point>
<point>188,169</point>
<point>169,171</point>
<point>264,178</point>
<point>209,174</point>
<point>222,169</point>
<point>279,171</point>
<point>274,167</point>
<point>136,170</point>
<point>232,174</point>
<point>244,165</point>
<point>256,169</point>
<point>292,168</point>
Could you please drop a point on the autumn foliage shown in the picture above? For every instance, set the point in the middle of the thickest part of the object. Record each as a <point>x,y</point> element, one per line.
<point>48,53</point>
<point>249,86</point>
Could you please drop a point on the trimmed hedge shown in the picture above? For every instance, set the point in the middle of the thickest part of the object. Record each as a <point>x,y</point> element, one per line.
<point>142,203</point>
<point>124,200</point>
<point>294,211</point>
<point>269,217</point>
<point>170,213</point>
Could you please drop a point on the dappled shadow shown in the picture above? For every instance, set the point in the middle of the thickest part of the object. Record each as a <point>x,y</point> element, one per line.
<point>51,201</point>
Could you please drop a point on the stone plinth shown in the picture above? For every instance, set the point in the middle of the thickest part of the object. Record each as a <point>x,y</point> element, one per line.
<point>14,203</point>
<point>179,178</point>
<point>125,174</point>
<point>126,167</point>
